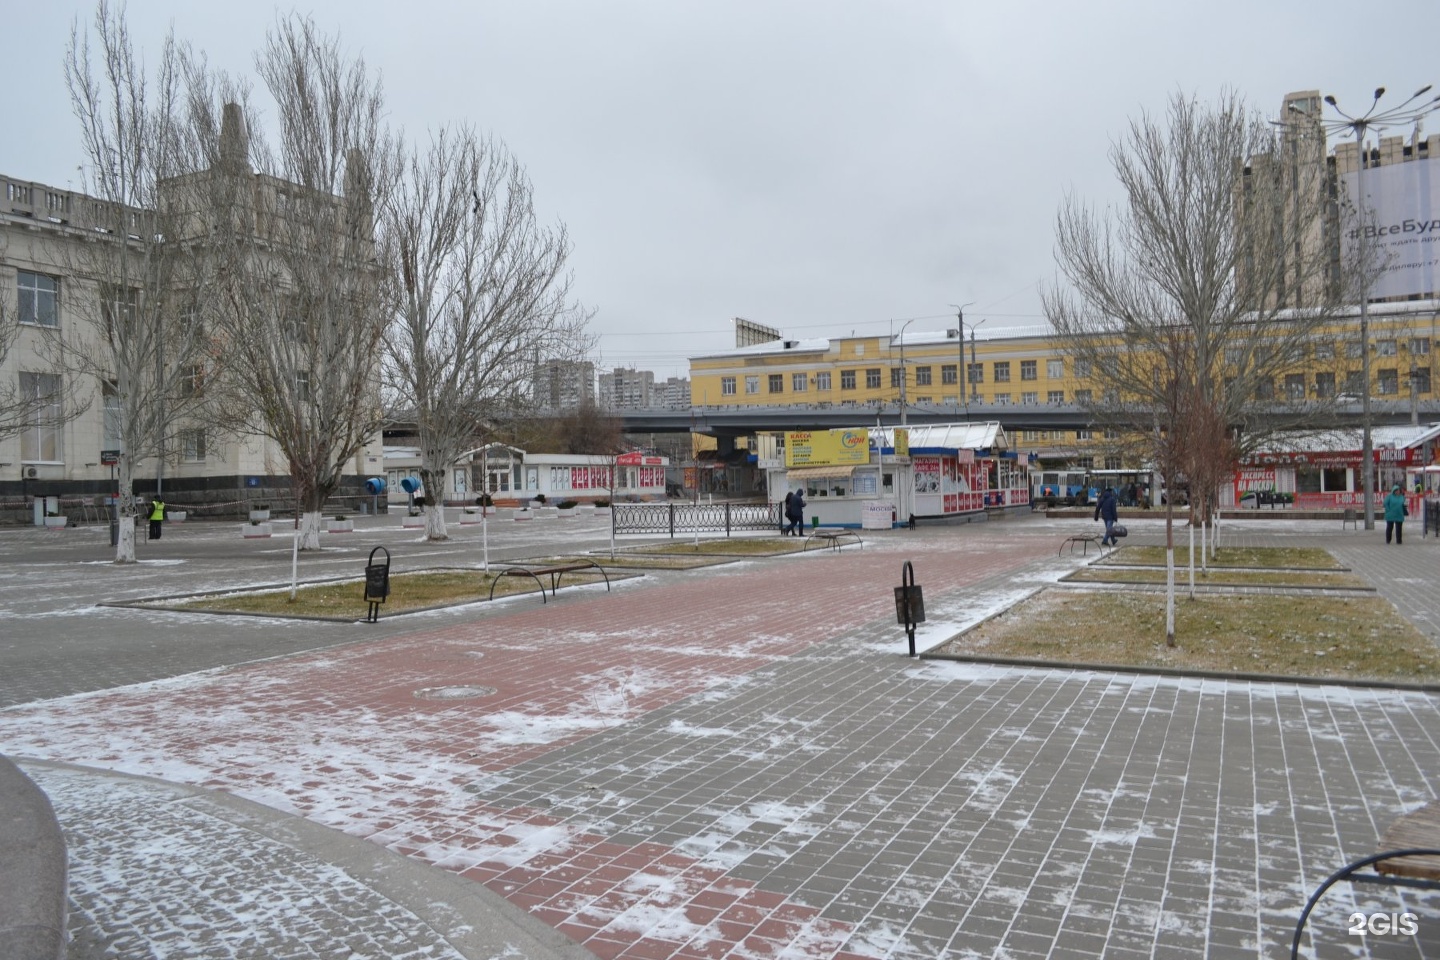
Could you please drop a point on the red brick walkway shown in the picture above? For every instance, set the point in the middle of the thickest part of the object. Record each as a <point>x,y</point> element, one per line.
<point>343,738</point>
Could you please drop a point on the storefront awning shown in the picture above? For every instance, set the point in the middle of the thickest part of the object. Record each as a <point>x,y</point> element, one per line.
<point>813,473</point>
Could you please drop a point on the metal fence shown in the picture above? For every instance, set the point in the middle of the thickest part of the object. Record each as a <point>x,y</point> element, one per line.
<point>673,518</point>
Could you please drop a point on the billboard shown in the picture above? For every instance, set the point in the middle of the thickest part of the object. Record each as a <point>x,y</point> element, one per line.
<point>826,448</point>
<point>1402,225</point>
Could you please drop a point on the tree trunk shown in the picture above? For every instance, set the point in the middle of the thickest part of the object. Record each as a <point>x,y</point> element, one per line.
<point>1169,571</point>
<point>433,481</point>
<point>125,511</point>
<point>309,532</point>
<point>435,521</point>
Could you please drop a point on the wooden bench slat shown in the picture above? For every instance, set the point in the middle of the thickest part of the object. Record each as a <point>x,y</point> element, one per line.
<point>1418,829</point>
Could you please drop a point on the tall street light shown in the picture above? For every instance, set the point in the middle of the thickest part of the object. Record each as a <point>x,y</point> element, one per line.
<point>903,376</point>
<point>1378,120</point>
<point>960,370</point>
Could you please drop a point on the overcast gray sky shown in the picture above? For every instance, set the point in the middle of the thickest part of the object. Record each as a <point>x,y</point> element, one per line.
<point>819,167</point>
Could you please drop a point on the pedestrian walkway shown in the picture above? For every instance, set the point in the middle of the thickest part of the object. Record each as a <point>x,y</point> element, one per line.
<point>741,762</point>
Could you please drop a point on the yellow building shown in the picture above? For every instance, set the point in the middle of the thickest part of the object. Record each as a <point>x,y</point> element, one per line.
<point>924,370</point>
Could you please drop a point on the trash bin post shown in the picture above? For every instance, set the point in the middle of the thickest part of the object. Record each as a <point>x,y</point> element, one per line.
<point>909,603</point>
<point>377,584</point>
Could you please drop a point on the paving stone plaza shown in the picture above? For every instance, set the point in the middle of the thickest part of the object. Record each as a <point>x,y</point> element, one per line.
<point>733,761</point>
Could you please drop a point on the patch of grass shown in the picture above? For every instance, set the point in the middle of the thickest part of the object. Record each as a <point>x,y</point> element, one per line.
<point>1269,558</point>
<point>747,547</point>
<point>345,599</point>
<point>1337,638</point>
<point>636,561</point>
<point>1106,573</point>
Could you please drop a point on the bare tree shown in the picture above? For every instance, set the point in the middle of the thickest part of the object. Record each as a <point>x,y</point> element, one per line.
<point>482,292</point>
<point>139,338</point>
<point>1203,289</point>
<point>306,296</point>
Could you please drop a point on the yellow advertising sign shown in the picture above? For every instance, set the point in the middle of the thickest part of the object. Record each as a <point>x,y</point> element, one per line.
<point>902,442</point>
<point>826,448</point>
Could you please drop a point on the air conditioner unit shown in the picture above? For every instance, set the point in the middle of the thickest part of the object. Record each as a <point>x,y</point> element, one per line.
<point>31,473</point>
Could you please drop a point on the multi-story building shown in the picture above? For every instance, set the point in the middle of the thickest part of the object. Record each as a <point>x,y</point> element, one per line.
<point>673,394</point>
<point>564,384</point>
<point>627,388</point>
<point>48,296</point>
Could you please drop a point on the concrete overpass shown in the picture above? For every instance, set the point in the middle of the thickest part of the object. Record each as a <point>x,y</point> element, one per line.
<point>737,421</point>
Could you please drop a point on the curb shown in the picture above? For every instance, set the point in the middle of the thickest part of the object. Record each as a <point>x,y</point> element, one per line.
<point>32,870</point>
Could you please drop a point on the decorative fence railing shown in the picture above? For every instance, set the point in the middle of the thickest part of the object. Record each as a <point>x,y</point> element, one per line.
<point>673,518</point>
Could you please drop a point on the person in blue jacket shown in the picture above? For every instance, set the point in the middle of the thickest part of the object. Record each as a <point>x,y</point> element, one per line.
<point>1108,510</point>
<point>1395,511</point>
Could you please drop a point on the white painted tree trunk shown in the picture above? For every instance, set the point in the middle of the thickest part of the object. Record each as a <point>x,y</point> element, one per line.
<point>1192,562</point>
<point>309,532</point>
<point>435,522</point>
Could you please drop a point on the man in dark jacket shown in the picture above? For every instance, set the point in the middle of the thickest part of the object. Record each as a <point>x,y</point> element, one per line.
<point>795,513</point>
<point>1108,510</point>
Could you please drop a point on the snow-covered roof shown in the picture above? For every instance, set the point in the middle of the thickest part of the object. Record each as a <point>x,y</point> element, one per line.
<point>1392,437</point>
<point>812,345</point>
<point>979,435</point>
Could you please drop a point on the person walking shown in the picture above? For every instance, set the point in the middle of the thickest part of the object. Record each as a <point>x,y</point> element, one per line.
<point>785,514</point>
<point>795,512</point>
<point>1395,512</point>
<point>157,514</point>
<point>1107,509</point>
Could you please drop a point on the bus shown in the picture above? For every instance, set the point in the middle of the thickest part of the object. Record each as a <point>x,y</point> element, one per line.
<point>1065,487</point>
<point>1135,488</point>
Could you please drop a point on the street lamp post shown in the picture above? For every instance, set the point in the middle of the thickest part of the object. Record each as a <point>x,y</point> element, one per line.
<point>960,377</point>
<point>1377,120</point>
<point>903,376</point>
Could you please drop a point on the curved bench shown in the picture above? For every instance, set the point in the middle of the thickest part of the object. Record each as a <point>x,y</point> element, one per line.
<point>32,870</point>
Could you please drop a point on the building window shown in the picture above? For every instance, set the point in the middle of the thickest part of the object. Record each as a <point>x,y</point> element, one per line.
<point>922,377</point>
<point>1324,384</point>
<point>192,443</point>
<point>1085,463</point>
<point>752,384</point>
<point>727,386</point>
<point>1054,397</point>
<point>777,383</point>
<point>1083,434</point>
<point>847,379</point>
<point>1082,396</point>
<point>1355,382</point>
<point>799,383</point>
<point>110,428</point>
<point>822,380</point>
<point>192,382</point>
<point>1028,370</point>
<point>1325,350</point>
<point>1420,379</point>
<point>1295,386</point>
<point>949,374</point>
<point>1265,389</point>
<point>1110,433</point>
<point>1234,356</point>
<point>1002,371</point>
<point>1420,346</point>
<point>1082,368</point>
<point>975,372</point>
<point>1113,463</point>
<point>118,303</point>
<point>39,299</point>
<point>895,378</point>
<point>43,439</point>
<point>1055,369</point>
<point>1387,382</point>
<point>1385,348</point>
<point>1353,350</point>
<point>872,378</point>
<point>1031,396</point>
<point>1003,399</point>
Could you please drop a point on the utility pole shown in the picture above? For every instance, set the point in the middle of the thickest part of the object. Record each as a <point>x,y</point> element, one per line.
<point>961,380</point>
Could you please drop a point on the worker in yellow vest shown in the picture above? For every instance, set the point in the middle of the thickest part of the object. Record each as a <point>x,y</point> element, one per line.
<point>157,513</point>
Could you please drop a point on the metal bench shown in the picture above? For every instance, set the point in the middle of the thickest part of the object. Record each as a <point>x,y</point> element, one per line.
<point>1085,540</point>
<point>1409,857</point>
<point>555,572</point>
<point>834,538</point>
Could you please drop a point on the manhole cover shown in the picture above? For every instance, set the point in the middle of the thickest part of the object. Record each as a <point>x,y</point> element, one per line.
<point>453,693</point>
